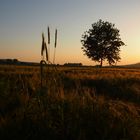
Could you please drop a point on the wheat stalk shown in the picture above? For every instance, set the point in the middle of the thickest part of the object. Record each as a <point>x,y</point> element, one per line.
<point>48,35</point>
<point>55,46</point>
<point>48,43</point>
<point>42,47</point>
<point>42,63</point>
<point>45,45</point>
<point>55,38</point>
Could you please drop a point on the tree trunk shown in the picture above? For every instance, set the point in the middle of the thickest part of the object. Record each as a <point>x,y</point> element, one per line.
<point>101,62</point>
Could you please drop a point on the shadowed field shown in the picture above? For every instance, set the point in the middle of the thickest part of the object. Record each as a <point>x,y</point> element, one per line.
<point>73,103</point>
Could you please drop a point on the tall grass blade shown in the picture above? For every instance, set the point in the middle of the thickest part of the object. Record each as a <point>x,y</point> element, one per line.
<point>48,43</point>
<point>55,46</point>
<point>55,38</point>
<point>42,63</point>
<point>46,51</point>
<point>42,47</point>
<point>48,35</point>
<point>54,56</point>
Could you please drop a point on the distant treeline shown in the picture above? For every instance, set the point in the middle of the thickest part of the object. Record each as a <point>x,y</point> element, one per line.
<point>73,64</point>
<point>17,62</point>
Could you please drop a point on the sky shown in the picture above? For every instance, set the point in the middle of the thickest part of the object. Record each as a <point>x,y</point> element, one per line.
<point>23,21</point>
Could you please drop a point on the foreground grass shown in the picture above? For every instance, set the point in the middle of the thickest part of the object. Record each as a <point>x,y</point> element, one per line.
<point>73,104</point>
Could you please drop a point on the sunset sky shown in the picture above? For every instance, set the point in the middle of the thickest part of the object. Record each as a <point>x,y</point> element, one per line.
<point>23,21</point>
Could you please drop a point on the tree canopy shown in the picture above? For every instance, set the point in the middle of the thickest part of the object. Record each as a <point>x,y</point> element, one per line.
<point>102,42</point>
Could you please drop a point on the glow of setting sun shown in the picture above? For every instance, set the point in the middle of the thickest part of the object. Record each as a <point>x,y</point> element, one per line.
<point>22,23</point>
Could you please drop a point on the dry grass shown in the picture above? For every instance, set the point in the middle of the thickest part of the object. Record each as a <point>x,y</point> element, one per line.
<point>73,103</point>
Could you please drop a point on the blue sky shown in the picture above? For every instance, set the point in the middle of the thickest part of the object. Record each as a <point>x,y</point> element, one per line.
<point>23,21</point>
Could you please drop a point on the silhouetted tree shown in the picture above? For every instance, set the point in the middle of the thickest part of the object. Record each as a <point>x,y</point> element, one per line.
<point>102,42</point>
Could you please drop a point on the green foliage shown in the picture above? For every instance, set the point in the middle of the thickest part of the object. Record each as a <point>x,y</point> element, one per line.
<point>102,42</point>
